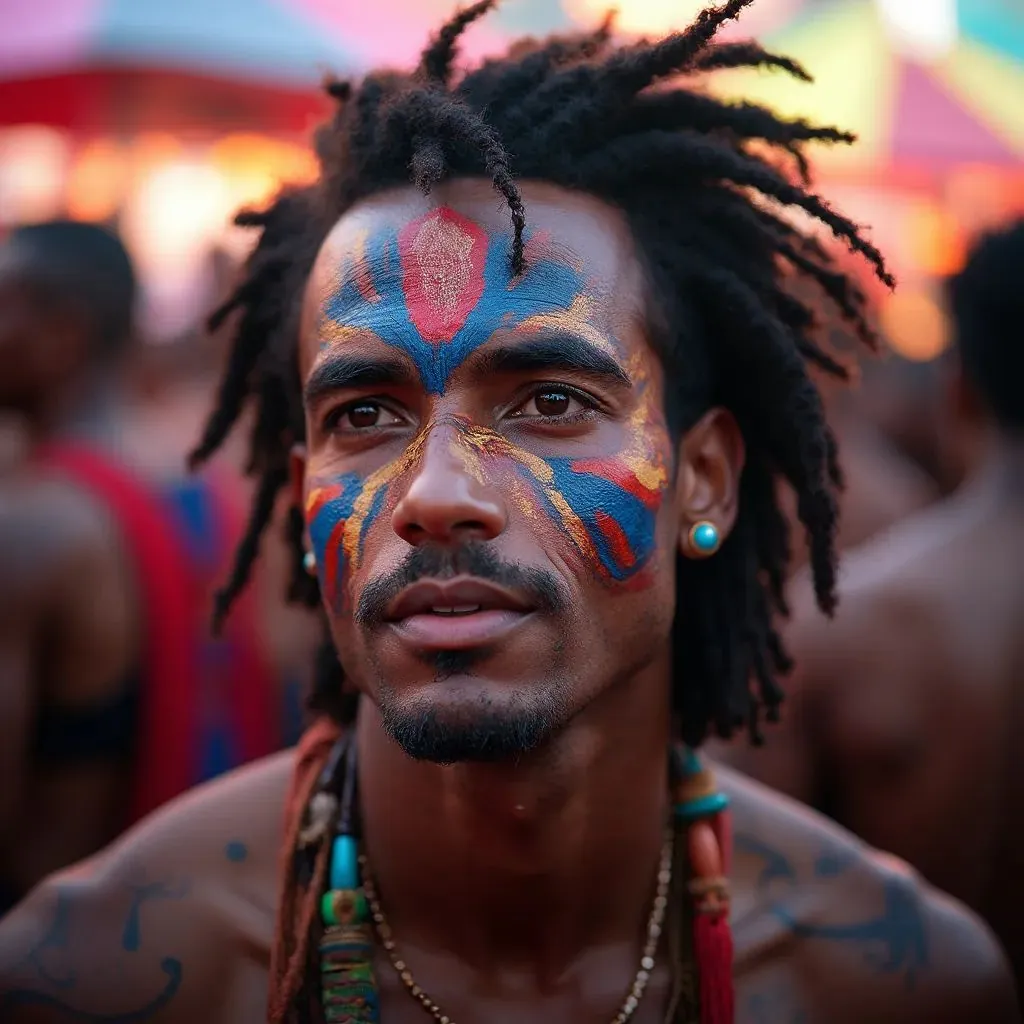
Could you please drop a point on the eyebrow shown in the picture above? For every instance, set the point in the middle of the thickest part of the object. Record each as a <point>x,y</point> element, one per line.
<point>341,371</point>
<point>565,352</point>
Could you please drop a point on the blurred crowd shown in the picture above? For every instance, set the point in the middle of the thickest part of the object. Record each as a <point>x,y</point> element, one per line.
<point>115,693</point>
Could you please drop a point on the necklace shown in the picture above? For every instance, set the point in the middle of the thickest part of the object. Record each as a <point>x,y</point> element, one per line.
<point>655,921</point>
<point>338,876</point>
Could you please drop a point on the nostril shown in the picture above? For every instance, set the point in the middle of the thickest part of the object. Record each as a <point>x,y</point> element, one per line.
<point>443,530</point>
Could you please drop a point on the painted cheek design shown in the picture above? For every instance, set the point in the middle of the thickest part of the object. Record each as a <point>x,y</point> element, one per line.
<point>607,507</point>
<point>439,289</point>
<point>329,506</point>
<point>339,514</point>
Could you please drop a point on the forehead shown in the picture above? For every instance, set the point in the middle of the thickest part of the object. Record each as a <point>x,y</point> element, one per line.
<point>577,242</point>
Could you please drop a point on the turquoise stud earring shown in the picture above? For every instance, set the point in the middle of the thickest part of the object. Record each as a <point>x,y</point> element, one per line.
<point>309,563</point>
<point>703,540</point>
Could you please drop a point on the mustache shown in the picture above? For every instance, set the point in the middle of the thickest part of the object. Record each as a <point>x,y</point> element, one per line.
<point>540,586</point>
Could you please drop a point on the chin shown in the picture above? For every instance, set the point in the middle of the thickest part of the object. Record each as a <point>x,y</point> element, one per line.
<point>465,719</point>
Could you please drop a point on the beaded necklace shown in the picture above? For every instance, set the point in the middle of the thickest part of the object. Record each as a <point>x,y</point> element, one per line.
<point>353,921</point>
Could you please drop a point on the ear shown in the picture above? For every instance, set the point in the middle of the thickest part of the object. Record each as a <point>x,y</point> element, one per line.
<point>711,457</point>
<point>297,475</point>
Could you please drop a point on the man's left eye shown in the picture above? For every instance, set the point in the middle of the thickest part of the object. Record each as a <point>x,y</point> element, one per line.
<point>552,403</point>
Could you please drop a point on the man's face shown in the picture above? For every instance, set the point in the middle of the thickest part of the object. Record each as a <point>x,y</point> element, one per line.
<point>489,483</point>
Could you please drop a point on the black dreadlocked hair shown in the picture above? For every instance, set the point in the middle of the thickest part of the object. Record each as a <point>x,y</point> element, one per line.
<point>704,185</point>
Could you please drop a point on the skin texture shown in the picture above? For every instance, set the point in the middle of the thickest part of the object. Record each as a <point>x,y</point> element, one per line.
<point>68,626</point>
<point>901,715</point>
<point>174,923</point>
<point>514,851</point>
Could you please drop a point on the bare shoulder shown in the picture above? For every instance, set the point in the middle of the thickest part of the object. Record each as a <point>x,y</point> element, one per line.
<point>828,929</point>
<point>892,624</point>
<point>47,525</point>
<point>170,924</point>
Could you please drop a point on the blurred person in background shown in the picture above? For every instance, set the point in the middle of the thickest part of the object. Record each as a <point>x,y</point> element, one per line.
<point>902,718</point>
<point>107,707</point>
<point>177,381</point>
<point>881,484</point>
<point>529,443</point>
<point>904,402</point>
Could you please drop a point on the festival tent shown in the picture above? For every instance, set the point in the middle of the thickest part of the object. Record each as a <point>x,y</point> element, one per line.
<point>93,65</point>
<point>965,106</point>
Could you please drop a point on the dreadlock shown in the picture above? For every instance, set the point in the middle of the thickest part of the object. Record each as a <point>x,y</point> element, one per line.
<point>705,189</point>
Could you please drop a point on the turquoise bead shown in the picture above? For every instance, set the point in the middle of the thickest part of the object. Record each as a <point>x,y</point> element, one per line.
<point>703,807</point>
<point>345,863</point>
<point>705,537</point>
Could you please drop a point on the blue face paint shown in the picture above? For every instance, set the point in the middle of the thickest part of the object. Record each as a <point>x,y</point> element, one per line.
<point>340,511</point>
<point>439,289</point>
<point>329,504</point>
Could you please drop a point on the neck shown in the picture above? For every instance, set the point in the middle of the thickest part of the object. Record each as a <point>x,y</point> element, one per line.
<point>531,860</point>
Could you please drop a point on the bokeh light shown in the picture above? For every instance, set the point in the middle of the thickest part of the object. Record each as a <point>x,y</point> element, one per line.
<point>923,29</point>
<point>915,325</point>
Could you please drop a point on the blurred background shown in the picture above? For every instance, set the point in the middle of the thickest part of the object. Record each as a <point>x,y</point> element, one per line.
<point>160,118</point>
<point>163,117</point>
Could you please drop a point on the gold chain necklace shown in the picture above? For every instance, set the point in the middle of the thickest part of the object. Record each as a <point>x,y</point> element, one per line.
<point>643,974</point>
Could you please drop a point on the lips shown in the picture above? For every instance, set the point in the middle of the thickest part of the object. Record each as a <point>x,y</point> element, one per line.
<point>455,614</point>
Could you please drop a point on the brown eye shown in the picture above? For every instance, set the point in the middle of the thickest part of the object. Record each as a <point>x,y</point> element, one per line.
<point>552,403</point>
<point>366,414</point>
<point>360,416</point>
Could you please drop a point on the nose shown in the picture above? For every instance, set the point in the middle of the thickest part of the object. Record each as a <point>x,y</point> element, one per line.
<point>446,502</point>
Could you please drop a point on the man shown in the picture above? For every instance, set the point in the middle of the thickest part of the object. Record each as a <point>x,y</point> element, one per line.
<point>900,721</point>
<point>102,587</point>
<point>517,452</point>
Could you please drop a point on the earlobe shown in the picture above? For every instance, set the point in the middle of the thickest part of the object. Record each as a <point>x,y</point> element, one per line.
<point>711,457</point>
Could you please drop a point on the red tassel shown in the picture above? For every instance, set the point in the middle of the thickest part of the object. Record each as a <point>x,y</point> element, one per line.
<point>712,947</point>
<point>710,847</point>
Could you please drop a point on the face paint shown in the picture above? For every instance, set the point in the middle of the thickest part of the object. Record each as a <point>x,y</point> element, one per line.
<point>607,506</point>
<point>439,289</point>
<point>340,512</point>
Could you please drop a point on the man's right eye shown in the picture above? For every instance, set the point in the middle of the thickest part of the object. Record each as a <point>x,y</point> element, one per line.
<point>359,416</point>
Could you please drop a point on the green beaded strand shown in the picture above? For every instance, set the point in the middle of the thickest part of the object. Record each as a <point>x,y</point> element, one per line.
<point>348,983</point>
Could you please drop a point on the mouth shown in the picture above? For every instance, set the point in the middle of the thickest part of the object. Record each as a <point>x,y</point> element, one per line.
<point>456,614</point>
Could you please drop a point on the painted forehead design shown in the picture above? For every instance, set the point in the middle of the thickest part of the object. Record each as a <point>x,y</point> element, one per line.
<point>440,287</point>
